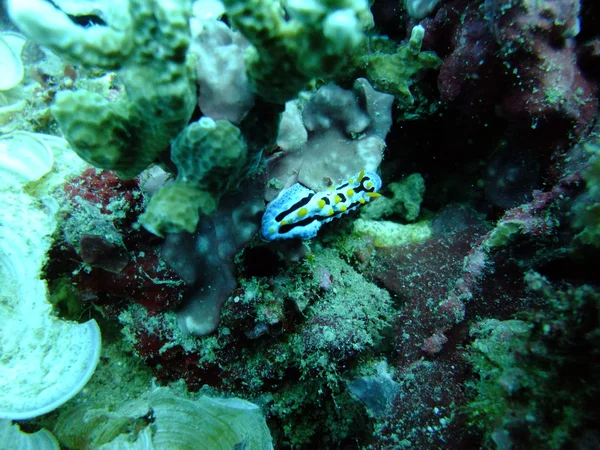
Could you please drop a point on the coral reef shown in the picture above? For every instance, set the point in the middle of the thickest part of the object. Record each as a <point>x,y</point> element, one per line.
<point>543,85</point>
<point>586,210</point>
<point>395,69</point>
<point>100,258</point>
<point>405,203</point>
<point>43,439</point>
<point>284,341</point>
<point>205,259</point>
<point>458,309</point>
<point>147,44</point>
<point>173,419</point>
<point>209,156</point>
<point>11,46</point>
<point>535,375</point>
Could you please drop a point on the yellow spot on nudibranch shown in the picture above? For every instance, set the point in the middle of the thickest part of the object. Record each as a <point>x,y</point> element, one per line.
<point>362,201</point>
<point>351,181</point>
<point>282,223</point>
<point>343,208</point>
<point>331,188</point>
<point>350,192</point>
<point>337,199</point>
<point>271,230</point>
<point>361,175</point>
<point>369,185</point>
<point>302,212</point>
<point>321,204</point>
<point>330,213</point>
<point>373,194</point>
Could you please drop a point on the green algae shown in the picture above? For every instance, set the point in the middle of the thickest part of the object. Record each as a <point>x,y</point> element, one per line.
<point>303,331</point>
<point>538,374</point>
<point>405,203</point>
<point>395,69</point>
<point>586,210</point>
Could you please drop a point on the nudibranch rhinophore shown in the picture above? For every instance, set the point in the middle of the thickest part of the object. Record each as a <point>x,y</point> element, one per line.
<point>299,212</point>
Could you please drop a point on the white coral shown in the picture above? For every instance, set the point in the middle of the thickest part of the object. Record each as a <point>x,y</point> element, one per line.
<point>11,45</point>
<point>44,361</point>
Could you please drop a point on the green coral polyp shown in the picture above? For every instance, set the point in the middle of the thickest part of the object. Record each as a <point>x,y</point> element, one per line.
<point>175,208</point>
<point>208,152</point>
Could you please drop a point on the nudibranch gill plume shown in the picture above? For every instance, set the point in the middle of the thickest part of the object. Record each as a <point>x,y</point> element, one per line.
<point>299,212</point>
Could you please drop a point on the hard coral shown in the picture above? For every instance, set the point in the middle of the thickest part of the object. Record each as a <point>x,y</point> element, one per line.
<point>209,156</point>
<point>126,135</point>
<point>284,339</point>
<point>314,40</point>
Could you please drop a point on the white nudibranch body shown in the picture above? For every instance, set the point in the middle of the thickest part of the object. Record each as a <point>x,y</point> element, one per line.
<point>299,212</point>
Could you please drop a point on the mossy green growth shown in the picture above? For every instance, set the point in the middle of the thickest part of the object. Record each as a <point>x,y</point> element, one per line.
<point>209,156</point>
<point>176,208</point>
<point>503,233</point>
<point>538,377</point>
<point>394,69</point>
<point>314,40</point>
<point>292,341</point>
<point>407,196</point>
<point>66,299</point>
<point>340,318</point>
<point>152,63</point>
<point>586,210</point>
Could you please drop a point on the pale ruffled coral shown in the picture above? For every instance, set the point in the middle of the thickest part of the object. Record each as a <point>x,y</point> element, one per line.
<point>178,421</point>
<point>45,361</point>
<point>40,440</point>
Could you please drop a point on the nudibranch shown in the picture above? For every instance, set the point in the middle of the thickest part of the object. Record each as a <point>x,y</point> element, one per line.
<point>299,212</point>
